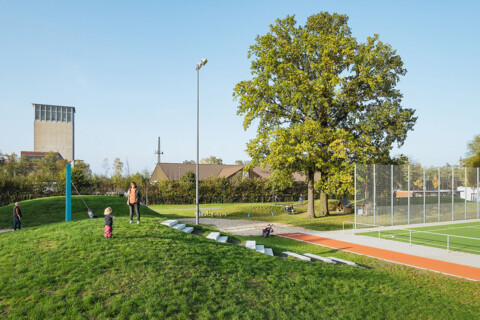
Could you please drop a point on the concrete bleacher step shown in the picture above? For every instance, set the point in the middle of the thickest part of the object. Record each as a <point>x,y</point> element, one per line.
<point>170,223</point>
<point>268,252</point>
<point>297,256</point>
<point>260,248</point>
<point>222,239</point>
<point>251,245</point>
<point>179,226</point>
<point>188,229</point>
<point>214,235</point>
<point>318,258</point>
<point>338,260</point>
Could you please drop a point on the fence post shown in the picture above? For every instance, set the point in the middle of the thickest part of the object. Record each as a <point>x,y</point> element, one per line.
<point>453,194</point>
<point>424,195</point>
<point>465,193</point>
<point>438,188</point>
<point>391,193</point>
<point>408,204</point>
<point>374,196</point>
<point>355,195</point>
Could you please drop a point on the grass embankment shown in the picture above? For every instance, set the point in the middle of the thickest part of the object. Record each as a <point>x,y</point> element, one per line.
<point>262,212</point>
<point>67,270</point>
<point>50,210</point>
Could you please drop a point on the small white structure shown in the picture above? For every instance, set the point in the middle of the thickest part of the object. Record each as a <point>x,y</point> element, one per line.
<point>468,193</point>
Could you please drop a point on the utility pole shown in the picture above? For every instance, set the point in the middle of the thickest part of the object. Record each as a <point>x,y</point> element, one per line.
<point>159,151</point>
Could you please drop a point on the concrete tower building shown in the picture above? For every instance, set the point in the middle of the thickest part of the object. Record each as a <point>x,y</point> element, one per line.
<point>54,130</point>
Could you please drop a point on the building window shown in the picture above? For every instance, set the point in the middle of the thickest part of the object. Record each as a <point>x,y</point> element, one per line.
<point>37,112</point>
<point>59,114</point>
<point>42,113</point>
<point>64,116</point>
<point>48,111</point>
<point>69,115</point>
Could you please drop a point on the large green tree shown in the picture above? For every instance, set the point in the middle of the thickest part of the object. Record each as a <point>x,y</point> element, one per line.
<point>322,100</point>
<point>473,154</point>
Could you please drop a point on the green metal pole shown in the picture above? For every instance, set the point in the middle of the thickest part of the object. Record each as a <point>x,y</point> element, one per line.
<point>68,193</point>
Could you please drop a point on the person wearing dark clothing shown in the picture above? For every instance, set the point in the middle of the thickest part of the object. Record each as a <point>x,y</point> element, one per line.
<point>133,200</point>
<point>108,223</point>
<point>17,217</point>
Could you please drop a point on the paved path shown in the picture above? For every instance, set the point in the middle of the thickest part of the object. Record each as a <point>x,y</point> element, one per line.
<point>244,227</point>
<point>454,269</point>
<point>254,228</point>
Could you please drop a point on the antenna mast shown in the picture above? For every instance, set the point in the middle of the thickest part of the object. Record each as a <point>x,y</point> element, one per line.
<point>159,152</point>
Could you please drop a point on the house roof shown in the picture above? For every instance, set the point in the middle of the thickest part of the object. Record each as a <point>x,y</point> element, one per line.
<point>37,154</point>
<point>174,171</point>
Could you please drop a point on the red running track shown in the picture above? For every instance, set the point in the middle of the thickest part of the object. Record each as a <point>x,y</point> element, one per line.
<point>449,268</point>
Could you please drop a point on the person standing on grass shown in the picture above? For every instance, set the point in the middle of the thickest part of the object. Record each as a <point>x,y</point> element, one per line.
<point>133,200</point>
<point>17,217</point>
<point>301,198</point>
<point>108,223</point>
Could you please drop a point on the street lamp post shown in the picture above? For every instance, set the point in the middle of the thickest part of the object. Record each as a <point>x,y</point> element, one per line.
<point>197,210</point>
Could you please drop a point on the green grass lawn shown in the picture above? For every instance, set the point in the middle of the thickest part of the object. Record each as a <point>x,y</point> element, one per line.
<point>49,210</point>
<point>464,237</point>
<point>68,270</point>
<point>261,212</point>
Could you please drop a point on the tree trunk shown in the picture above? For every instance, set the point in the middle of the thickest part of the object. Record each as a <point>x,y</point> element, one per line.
<point>311,195</point>
<point>324,204</point>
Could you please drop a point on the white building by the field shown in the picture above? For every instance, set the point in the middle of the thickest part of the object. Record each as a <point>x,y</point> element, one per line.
<point>469,193</point>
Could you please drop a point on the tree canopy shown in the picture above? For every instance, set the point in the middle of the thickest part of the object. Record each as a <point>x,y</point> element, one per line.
<point>322,100</point>
<point>211,160</point>
<point>473,153</point>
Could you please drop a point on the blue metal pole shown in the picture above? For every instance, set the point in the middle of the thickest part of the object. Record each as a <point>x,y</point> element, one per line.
<point>68,193</point>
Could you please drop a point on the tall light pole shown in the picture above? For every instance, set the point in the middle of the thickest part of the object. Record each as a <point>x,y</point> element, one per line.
<point>197,210</point>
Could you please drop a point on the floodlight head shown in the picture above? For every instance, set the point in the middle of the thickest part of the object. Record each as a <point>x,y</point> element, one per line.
<point>201,63</point>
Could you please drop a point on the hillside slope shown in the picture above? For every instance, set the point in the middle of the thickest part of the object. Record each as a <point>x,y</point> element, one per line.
<point>50,210</point>
<point>149,271</point>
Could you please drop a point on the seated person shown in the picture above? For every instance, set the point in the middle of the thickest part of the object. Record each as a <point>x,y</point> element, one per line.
<point>90,214</point>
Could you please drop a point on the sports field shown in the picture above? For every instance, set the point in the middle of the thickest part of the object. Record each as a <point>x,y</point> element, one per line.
<point>464,237</point>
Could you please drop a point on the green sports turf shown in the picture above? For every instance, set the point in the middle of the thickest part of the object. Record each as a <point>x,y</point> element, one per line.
<point>464,237</point>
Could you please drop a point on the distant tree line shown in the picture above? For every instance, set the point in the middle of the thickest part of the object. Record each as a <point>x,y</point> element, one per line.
<point>24,179</point>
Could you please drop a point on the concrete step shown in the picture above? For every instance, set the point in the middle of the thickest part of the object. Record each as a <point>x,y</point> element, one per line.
<point>338,260</point>
<point>214,235</point>
<point>297,256</point>
<point>170,223</point>
<point>222,239</point>
<point>251,244</point>
<point>268,252</point>
<point>318,258</point>
<point>179,226</point>
<point>188,229</point>
<point>260,248</point>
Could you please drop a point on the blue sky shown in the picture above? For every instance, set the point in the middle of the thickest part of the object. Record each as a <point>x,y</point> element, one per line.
<point>129,69</point>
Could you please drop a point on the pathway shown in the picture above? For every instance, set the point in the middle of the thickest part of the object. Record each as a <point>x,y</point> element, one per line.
<point>450,268</point>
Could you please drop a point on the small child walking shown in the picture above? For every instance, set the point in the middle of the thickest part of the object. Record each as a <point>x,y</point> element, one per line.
<point>108,222</point>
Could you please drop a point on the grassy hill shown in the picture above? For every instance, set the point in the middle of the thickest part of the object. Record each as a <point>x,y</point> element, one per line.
<point>67,270</point>
<point>50,210</point>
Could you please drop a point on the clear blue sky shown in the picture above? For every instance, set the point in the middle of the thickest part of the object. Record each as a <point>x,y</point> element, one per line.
<point>129,69</point>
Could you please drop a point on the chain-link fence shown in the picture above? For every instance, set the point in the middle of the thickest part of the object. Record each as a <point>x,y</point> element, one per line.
<point>397,195</point>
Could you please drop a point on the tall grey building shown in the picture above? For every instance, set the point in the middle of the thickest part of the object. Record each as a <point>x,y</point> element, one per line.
<point>54,130</point>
